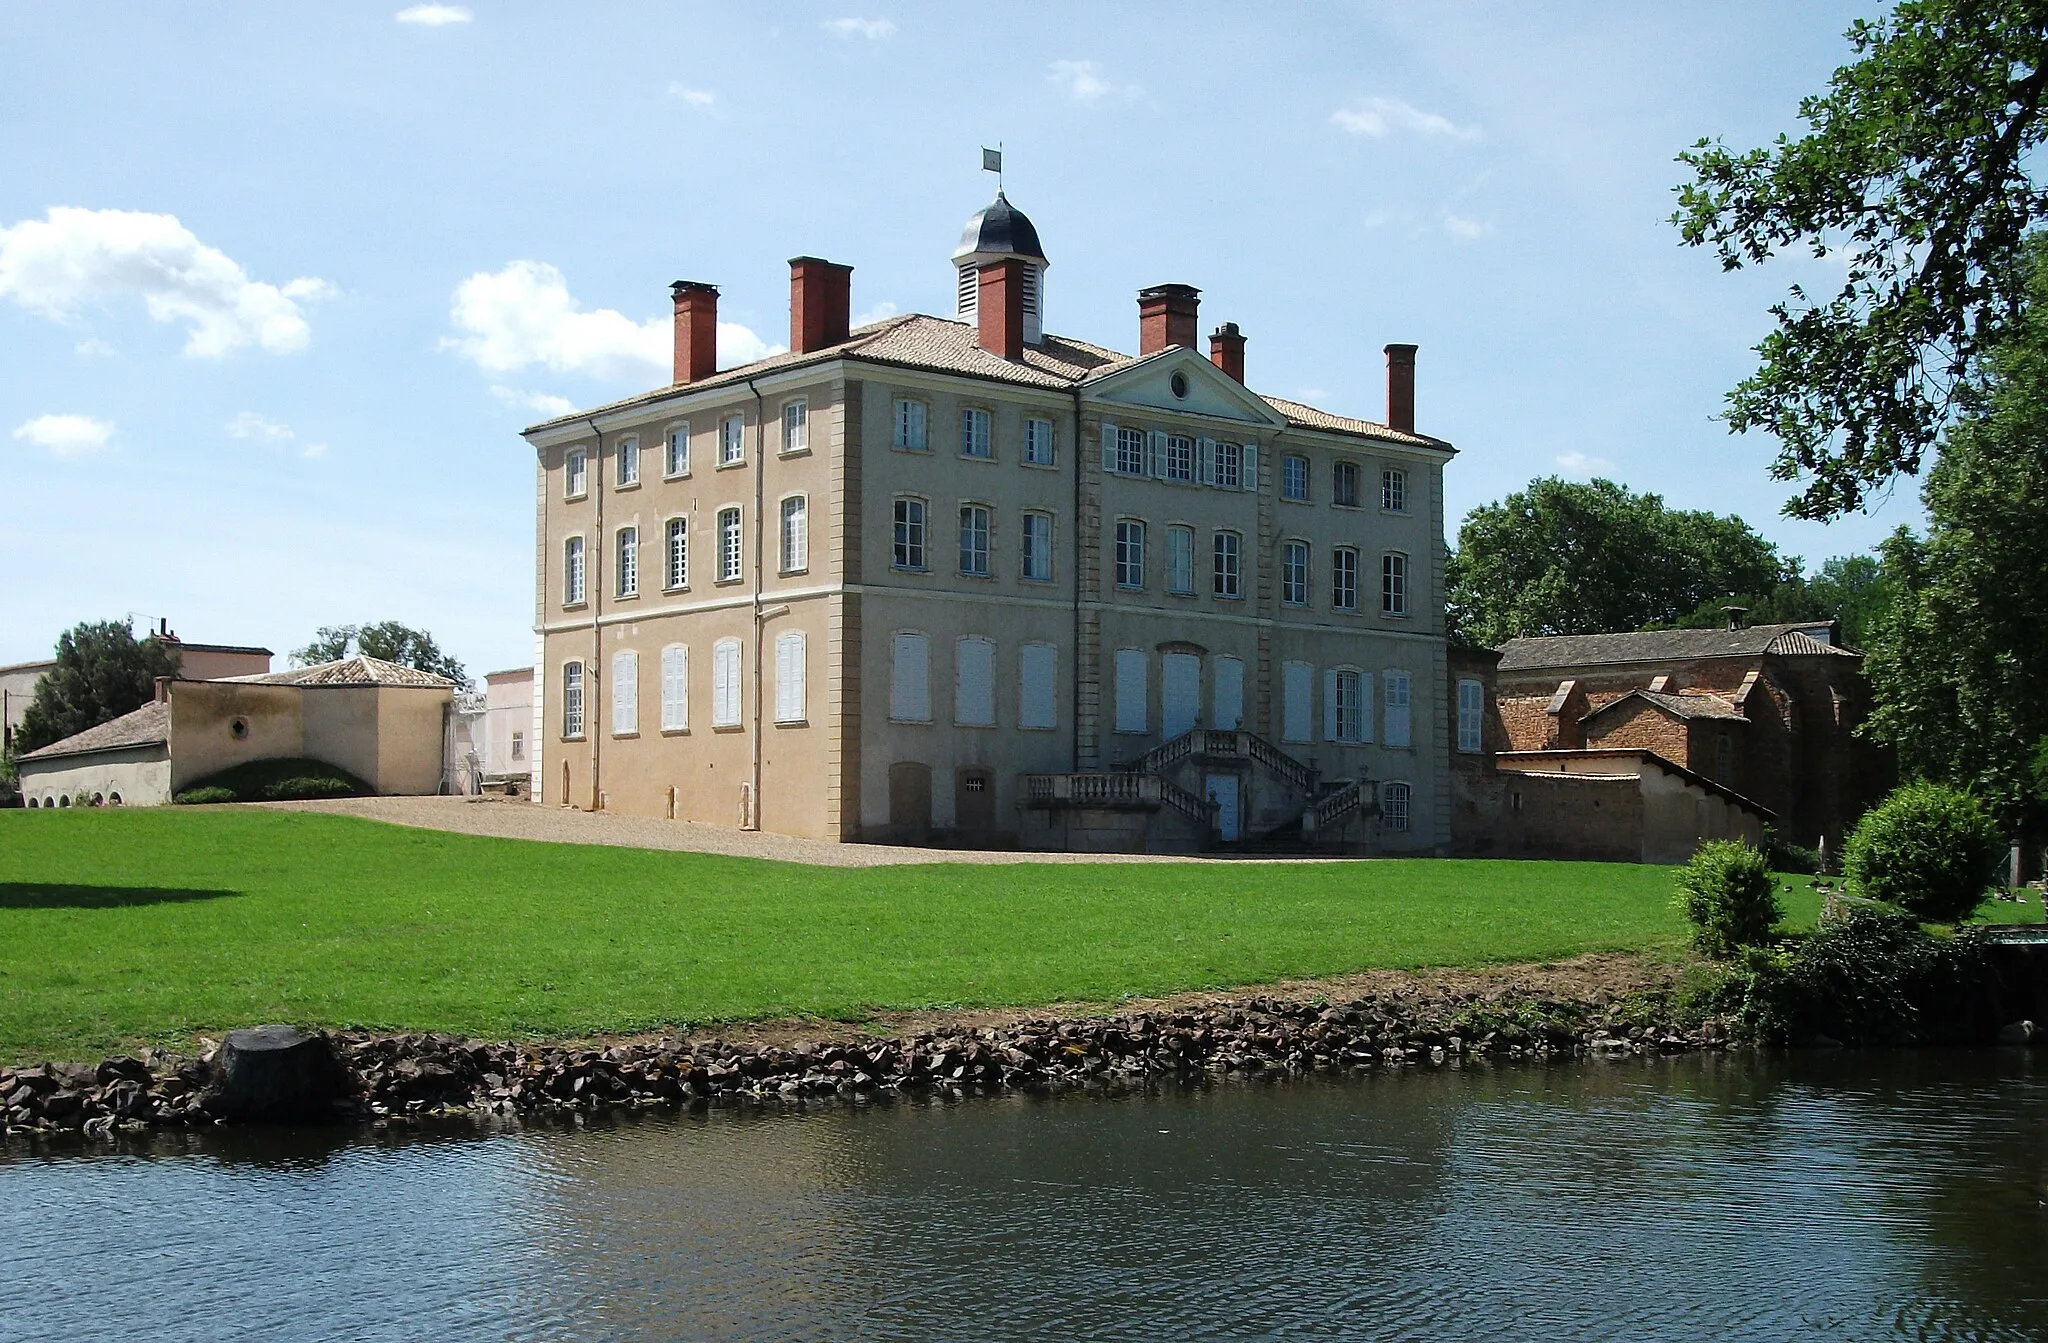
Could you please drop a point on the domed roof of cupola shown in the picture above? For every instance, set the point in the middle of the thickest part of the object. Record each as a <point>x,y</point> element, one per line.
<point>999,230</point>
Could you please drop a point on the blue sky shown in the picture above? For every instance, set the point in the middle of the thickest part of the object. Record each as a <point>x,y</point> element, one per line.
<point>280,284</point>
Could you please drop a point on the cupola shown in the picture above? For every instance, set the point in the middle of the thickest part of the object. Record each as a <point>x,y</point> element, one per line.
<point>1002,233</point>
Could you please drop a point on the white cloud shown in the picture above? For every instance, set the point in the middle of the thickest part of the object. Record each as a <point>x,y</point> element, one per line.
<point>694,97</point>
<point>92,348</point>
<point>313,450</point>
<point>874,30</point>
<point>1083,81</point>
<point>523,316</point>
<point>249,424</point>
<point>433,16</point>
<point>1579,464</point>
<point>881,312</point>
<point>57,265</point>
<point>1311,395</point>
<point>540,403</point>
<point>1379,117</point>
<point>66,435</point>
<point>1460,227</point>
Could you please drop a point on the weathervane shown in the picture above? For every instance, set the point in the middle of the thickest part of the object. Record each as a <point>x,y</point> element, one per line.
<point>992,162</point>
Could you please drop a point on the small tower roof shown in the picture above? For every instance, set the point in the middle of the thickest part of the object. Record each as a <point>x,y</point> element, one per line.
<point>999,230</point>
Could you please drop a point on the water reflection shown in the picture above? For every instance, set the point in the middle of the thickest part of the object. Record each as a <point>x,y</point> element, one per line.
<point>1814,1196</point>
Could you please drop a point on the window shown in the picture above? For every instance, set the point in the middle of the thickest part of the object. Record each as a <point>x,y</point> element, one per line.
<point>1297,682</point>
<point>1038,547</point>
<point>1344,578</point>
<point>675,459</point>
<point>732,443</point>
<point>1180,458</point>
<point>628,567</point>
<point>1344,708</point>
<point>796,534</point>
<point>572,572</point>
<point>789,677</point>
<point>1399,721</point>
<point>519,746</point>
<point>1130,554</point>
<point>910,422</point>
<point>1227,466</point>
<point>796,426</point>
<point>1344,485</point>
<point>1037,680</point>
<point>576,474</point>
<point>676,554</point>
<point>909,534</point>
<point>1394,584</point>
<point>1394,490</point>
<point>1132,669</point>
<point>1294,478</point>
<point>1471,715</point>
<point>1395,800</point>
<point>974,682</point>
<point>728,545</point>
<point>725,683</point>
<point>1038,442</point>
<point>625,693</point>
<point>1130,452</point>
<point>675,688</point>
<point>1226,694</point>
<point>572,699</point>
<point>629,462</point>
<point>1180,561</point>
<point>974,434</point>
<point>974,541</point>
<point>1294,573</point>
<point>1229,565</point>
<point>910,699</point>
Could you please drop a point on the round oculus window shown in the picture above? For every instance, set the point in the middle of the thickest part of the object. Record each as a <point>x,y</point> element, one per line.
<point>1180,385</point>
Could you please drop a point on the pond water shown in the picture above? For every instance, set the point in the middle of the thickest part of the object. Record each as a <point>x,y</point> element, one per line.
<point>1847,1195</point>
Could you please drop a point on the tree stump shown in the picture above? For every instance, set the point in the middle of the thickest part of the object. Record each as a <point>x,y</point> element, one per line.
<point>279,1075</point>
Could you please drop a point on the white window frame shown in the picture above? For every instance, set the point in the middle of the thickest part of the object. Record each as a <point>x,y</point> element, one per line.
<point>1129,558</point>
<point>1180,560</point>
<point>629,463</point>
<point>1227,566</point>
<point>1344,578</point>
<point>675,462</point>
<point>675,688</point>
<point>625,690</point>
<point>728,705</point>
<point>1036,557</point>
<point>795,544</point>
<point>1130,451</point>
<point>1226,469</point>
<point>731,544</point>
<point>1471,715</point>
<point>1347,706</point>
<point>675,554</point>
<point>910,535</point>
<point>977,648</point>
<point>1180,458</point>
<point>1397,805</point>
<point>1338,472</point>
<point>910,697</point>
<point>796,426</point>
<point>576,474</point>
<point>732,441</point>
<point>1039,448</point>
<point>912,432</point>
<point>1393,490</point>
<point>1294,478</point>
<point>575,571</point>
<point>791,675</point>
<point>626,562</point>
<point>1394,584</point>
<point>1397,697</point>
<point>1040,716</point>
<point>572,702</point>
<point>1294,573</point>
<point>977,539</point>
<point>977,433</point>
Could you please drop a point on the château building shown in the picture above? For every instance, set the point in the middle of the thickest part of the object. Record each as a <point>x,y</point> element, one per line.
<point>961,579</point>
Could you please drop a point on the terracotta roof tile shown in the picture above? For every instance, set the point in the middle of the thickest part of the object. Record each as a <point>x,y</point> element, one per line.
<point>1585,650</point>
<point>146,726</point>
<point>357,670</point>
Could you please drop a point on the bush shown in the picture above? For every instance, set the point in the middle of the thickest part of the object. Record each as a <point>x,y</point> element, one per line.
<point>1725,892</point>
<point>1929,849</point>
<point>275,781</point>
<point>1785,856</point>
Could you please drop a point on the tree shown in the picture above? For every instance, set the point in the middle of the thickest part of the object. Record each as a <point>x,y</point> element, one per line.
<point>1568,558</point>
<point>1852,589</point>
<point>387,641</point>
<point>102,672</point>
<point>1915,173</point>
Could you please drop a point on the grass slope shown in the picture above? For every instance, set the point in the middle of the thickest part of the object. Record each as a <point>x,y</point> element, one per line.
<point>119,926</point>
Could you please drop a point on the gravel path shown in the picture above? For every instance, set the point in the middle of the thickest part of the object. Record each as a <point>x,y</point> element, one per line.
<point>503,819</point>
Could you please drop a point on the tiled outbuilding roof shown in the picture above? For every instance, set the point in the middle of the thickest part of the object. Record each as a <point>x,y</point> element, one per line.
<point>1687,706</point>
<point>1589,650</point>
<point>357,670</point>
<point>149,725</point>
<point>940,345</point>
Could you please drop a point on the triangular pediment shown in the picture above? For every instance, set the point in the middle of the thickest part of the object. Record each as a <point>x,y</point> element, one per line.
<point>1204,389</point>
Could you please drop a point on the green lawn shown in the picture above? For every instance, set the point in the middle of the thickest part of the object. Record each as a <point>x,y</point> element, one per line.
<point>126,926</point>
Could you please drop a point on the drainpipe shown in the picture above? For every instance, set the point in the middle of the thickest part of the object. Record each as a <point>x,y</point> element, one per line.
<point>760,618</point>
<point>1074,718</point>
<point>594,574</point>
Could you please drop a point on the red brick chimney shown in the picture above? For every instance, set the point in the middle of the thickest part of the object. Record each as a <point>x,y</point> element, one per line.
<point>1226,349</point>
<point>1166,316</point>
<point>696,330</point>
<point>1000,308</point>
<point>1401,388</point>
<point>820,296</point>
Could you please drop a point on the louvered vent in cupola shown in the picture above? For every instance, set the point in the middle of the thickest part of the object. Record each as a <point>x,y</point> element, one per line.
<point>970,292</point>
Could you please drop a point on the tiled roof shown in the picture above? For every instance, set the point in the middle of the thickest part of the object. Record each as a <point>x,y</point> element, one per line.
<point>1586,650</point>
<point>146,726</point>
<point>914,340</point>
<point>357,670</point>
<point>1683,706</point>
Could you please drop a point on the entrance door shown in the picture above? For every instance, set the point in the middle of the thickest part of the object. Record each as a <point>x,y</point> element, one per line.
<point>1222,790</point>
<point>910,800</point>
<point>974,798</point>
<point>1180,693</point>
